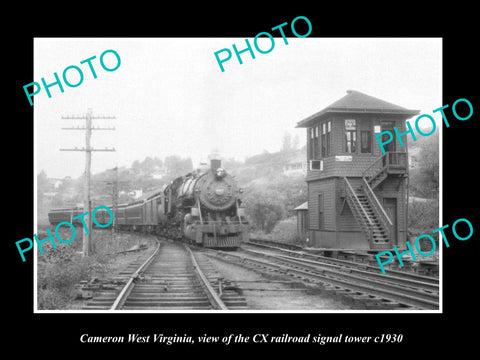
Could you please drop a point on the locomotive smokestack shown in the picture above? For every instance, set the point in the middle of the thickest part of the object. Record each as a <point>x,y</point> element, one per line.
<point>215,164</point>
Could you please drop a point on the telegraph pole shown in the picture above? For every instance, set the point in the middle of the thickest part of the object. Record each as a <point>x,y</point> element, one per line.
<point>88,244</point>
<point>114,184</point>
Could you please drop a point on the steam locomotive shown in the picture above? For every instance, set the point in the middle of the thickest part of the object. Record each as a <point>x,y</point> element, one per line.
<point>203,207</point>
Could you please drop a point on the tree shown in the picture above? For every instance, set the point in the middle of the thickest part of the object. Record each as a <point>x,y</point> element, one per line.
<point>148,165</point>
<point>296,142</point>
<point>42,185</point>
<point>43,203</point>
<point>287,142</point>
<point>269,199</point>
<point>425,178</point>
<point>264,208</point>
<point>231,164</point>
<point>136,166</point>
<point>176,166</point>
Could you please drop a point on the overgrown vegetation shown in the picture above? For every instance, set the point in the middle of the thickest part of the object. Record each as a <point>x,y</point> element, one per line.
<point>271,199</point>
<point>60,270</point>
<point>424,178</point>
<point>57,278</point>
<point>423,213</point>
<point>422,217</point>
<point>285,231</point>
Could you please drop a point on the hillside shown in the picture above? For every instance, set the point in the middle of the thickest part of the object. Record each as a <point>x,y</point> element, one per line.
<point>269,195</point>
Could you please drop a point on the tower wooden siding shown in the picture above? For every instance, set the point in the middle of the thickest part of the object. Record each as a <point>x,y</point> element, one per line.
<point>345,218</point>
<point>327,188</point>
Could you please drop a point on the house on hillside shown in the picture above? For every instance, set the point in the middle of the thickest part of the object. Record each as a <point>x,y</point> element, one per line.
<point>296,164</point>
<point>56,185</point>
<point>413,156</point>
<point>159,172</point>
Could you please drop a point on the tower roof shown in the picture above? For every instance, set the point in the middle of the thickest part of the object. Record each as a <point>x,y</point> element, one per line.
<point>358,102</point>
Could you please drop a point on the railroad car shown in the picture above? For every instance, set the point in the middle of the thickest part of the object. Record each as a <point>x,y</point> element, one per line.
<point>57,216</point>
<point>203,207</point>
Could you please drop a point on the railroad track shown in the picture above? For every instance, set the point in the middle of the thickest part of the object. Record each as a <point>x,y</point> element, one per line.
<point>356,267</point>
<point>373,290</point>
<point>170,279</point>
<point>428,268</point>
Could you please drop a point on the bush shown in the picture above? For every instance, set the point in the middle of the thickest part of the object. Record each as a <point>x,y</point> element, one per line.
<point>423,218</point>
<point>269,199</point>
<point>424,179</point>
<point>264,208</point>
<point>51,299</point>
<point>286,230</point>
<point>57,279</point>
<point>60,269</point>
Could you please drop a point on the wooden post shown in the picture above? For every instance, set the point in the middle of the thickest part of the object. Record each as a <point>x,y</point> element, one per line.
<point>88,243</point>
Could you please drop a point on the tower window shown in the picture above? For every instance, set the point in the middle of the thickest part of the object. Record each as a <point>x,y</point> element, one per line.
<point>350,136</point>
<point>365,141</point>
<point>314,149</point>
<point>326,131</point>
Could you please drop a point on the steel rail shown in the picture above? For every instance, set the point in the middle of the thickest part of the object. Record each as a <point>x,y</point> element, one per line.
<point>353,264</point>
<point>414,292</point>
<point>388,279</point>
<point>215,300</point>
<point>383,278</point>
<point>411,298</point>
<point>127,289</point>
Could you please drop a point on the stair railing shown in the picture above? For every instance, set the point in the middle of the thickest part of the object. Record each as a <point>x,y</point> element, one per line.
<point>358,209</point>
<point>377,207</point>
<point>396,159</point>
<point>376,167</point>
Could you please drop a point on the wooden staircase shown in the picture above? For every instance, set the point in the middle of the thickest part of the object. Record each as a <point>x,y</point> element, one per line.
<point>377,179</point>
<point>379,235</point>
<point>392,163</point>
<point>369,214</point>
<point>366,208</point>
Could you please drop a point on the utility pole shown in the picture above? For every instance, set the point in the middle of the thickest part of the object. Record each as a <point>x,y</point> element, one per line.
<point>114,183</point>
<point>88,244</point>
<point>115,191</point>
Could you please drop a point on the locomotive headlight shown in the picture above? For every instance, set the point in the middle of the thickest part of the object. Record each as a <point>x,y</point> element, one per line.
<point>221,172</point>
<point>240,190</point>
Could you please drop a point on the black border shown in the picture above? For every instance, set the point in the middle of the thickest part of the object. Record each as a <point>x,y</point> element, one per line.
<point>423,333</point>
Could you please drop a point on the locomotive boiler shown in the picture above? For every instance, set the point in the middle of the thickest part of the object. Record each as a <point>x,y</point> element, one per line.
<point>206,207</point>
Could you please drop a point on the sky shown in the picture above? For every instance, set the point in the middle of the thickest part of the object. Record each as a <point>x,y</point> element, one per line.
<point>170,97</point>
